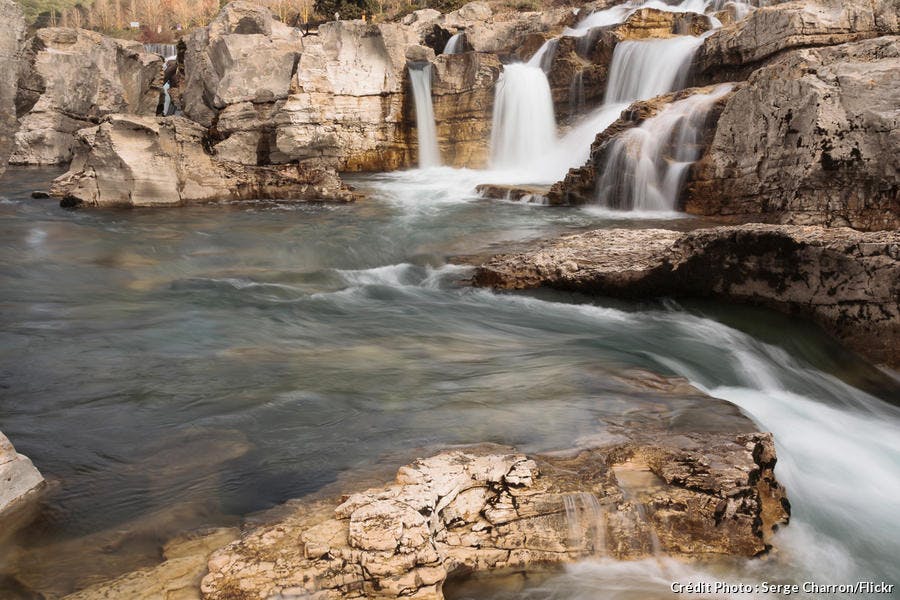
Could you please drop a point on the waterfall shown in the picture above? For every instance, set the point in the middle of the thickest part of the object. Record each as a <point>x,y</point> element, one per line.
<point>543,58</point>
<point>576,93</point>
<point>586,519</point>
<point>524,126</point>
<point>455,44</point>
<point>644,69</point>
<point>167,51</point>
<point>646,165</point>
<point>420,77</point>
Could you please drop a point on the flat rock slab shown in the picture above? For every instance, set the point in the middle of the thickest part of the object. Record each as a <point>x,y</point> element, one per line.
<point>847,281</point>
<point>19,478</point>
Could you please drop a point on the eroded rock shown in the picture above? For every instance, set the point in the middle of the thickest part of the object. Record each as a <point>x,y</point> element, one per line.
<point>847,281</point>
<point>697,496</point>
<point>12,35</point>
<point>812,139</point>
<point>70,79</point>
<point>19,479</point>
<point>161,161</point>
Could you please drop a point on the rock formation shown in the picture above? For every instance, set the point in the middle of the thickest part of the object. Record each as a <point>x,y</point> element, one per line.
<point>812,139</point>
<point>845,280</point>
<point>161,161</point>
<point>70,79</point>
<point>694,495</point>
<point>19,479</point>
<point>11,37</point>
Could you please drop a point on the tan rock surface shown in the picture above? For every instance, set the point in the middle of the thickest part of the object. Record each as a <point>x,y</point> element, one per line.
<point>19,479</point>
<point>12,35</point>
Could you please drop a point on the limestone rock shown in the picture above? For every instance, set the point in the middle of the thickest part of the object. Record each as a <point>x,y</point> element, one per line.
<point>70,79</point>
<point>161,161</point>
<point>12,35</point>
<point>493,508</point>
<point>814,138</point>
<point>19,479</point>
<point>845,280</point>
<point>802,23</point>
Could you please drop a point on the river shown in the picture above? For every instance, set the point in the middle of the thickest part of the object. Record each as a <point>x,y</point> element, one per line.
<point>181,368</point>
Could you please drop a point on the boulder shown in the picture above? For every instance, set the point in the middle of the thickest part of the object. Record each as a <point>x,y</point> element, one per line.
<point>845,280</point>
<point>161,161</point>
<point>814,138</point>
<point>70,79</point>
<point>696,495</point>
<point>12,35</point>
<point>731,52</point>
<point>19,479</point>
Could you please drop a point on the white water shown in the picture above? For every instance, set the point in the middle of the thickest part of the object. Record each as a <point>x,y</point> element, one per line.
<point>644,69</point>
<point>426,129</point>
<point>524,126</point>
<point>646,165</point>
<point>454,44</point>
<point>167,51</point>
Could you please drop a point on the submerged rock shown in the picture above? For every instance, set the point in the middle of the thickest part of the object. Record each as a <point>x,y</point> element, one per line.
<point>845,280</point>
<point>19,479</point>
<point>813,138</point>
<point>689,495</point>
<point>70,79</point>
<point>161,161</point>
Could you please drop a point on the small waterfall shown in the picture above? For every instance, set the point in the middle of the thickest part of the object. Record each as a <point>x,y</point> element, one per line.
<point>524,126</point>
<point>644,69</point>
<point>576,93</point>
<point>646,165</point>
<point>167,51</point>
<point>586,518</point>
<point>426,130</point>
<point>543,58</point>
<point>455,44</point>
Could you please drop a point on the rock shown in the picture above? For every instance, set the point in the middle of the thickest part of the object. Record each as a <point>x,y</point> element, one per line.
<point>244,55</point>
<point>513,193</point>
<point>161,161</point>
<point>70,79</point>
<point>19,479</point>
<point>845,280</point>
<point>728,53</point>
<point>814,138</point>
<point>177,577</point>
<point>463,96</point>
<point>12,35</point>
<point>492,508</point>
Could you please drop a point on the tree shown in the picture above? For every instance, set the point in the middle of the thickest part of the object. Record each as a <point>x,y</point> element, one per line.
<point>348,9</point>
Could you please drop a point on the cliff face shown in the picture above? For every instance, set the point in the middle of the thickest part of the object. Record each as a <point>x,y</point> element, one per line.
<point>71,78</point>
<point>12,35</point>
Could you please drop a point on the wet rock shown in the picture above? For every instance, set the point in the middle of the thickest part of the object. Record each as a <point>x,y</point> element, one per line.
<point>177,577</point>
<point>70,79</point>
<point>845,280</point>
<point>812,139</point>
<point>492,508</point>
<point>19,479</point>
<point>161,161</point>
<point>514,193</point>
<point>745,44</point>
<point>12,35</point>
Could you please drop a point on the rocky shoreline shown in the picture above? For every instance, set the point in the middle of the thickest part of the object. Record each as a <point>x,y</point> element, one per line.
<point>845,280</point>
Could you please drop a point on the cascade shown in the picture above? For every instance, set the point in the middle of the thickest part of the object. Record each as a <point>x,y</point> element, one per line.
<point>586,519</point>
<point>167,51</point>
<point>644,69</point>
<point>426,130</point>
<point>524,126</point>
<point>454,44</point>
<point>645,165</point>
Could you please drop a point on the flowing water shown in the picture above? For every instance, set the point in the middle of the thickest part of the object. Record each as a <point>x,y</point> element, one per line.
<point>455,44</point>
<point>180,368</point>
<point>524,126</point>
<point>426,129</point>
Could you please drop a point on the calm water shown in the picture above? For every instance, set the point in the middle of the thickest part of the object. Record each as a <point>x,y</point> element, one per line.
<point>175,369</point>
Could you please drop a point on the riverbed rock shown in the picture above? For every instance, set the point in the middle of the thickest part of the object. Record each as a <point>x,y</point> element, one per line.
<point>12,35</point>
<point>814,138</point>
<point>728,53</point>
<point>19,479</point>
<point>846,280</point>
<point>71,78</point>
<point>696,495</point>
<point>161,161</point>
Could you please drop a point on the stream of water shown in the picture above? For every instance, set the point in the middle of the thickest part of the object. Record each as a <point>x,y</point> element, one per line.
<point>175,369</point>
